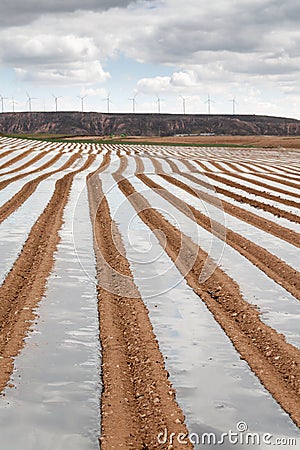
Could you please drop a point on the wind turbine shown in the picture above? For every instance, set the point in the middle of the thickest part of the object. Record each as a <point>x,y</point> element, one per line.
<point>82,100</point>
<point>208,101</point>
<point>108,101</point>
<point>183,103</point>
<point>2,101</point>
<point>133,103</point>
<point>29,101</point>
<point>158,101</point>
<point>56,101</point>
<point>234,103</point>
<point>13,102</point>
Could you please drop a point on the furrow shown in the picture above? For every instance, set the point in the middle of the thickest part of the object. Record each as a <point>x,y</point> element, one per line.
<point>270,227</point>
<point>252,190</point>
<point>136,392</point>
<point>269,216</point>
<point>7,152</point>
<point>53,160</point>
<point>59,364</point>
<point>213,386</point>
<point>278,308</point>
<point>25,284</point>
<point>276,180</point>
<point>274,267</point>
<point>20,197</point>
<point>250,180</point>
<point>274,361</point>
<point>28,163</point>
<point>15,159</point>
<point>278,170</point>
<point>250,201</point>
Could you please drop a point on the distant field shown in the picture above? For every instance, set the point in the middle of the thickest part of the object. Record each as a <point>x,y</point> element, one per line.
<point>245,141</point>
<point>219,141</point>
<point>253,141</point>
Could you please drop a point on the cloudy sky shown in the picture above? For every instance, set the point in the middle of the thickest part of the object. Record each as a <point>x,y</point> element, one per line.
<point>247,50</point>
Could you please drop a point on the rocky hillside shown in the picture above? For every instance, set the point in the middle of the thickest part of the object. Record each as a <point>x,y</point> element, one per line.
<point>92,123</point>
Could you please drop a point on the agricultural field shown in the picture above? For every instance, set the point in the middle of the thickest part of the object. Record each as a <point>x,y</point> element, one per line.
<point>150,296</point>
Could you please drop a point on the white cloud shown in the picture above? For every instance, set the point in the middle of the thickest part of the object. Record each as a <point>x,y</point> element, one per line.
<point>179,83</point>
<point>252,37</point>
<point>77,73</point>
<point>46,48</point>
<point>47,59</point>
<point>152,85</point>
<point>20,11</point>
<point>184,79</point>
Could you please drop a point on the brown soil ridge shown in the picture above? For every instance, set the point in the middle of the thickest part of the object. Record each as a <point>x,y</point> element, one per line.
<point>204,168</point>
<point>25,284</point>
<point>252,190</point>
<point>279,174</point>
<point>28,163</point>
<point>288,172</point>
<point>257,204</point>
<point>281,178</point>
<point>290,236</point>
<point>7,152</point>
<point>275,362</point>
<point>264,185</point>
<point>25,192</point>
<point>118,151</point>
<point>15,159</point>
<point>52,161</point>
<point>218,166</point>
<point>266,167</point>
<point>239,198</point>
<point>271,265</point>
<point>138,401</point>
<point>233,166</point>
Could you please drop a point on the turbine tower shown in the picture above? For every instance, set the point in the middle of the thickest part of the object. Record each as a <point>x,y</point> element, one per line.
<point>2,102</point>
<point>158,101</point>
<point>56,101</point>
<point>133,99</point>
<point>29,101</point>
<point>108,101</point>
<point>13,102</point>
<point>183,103</point>
<point>234,103</point>
<point>209,102</point>
<point>82,101</point>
